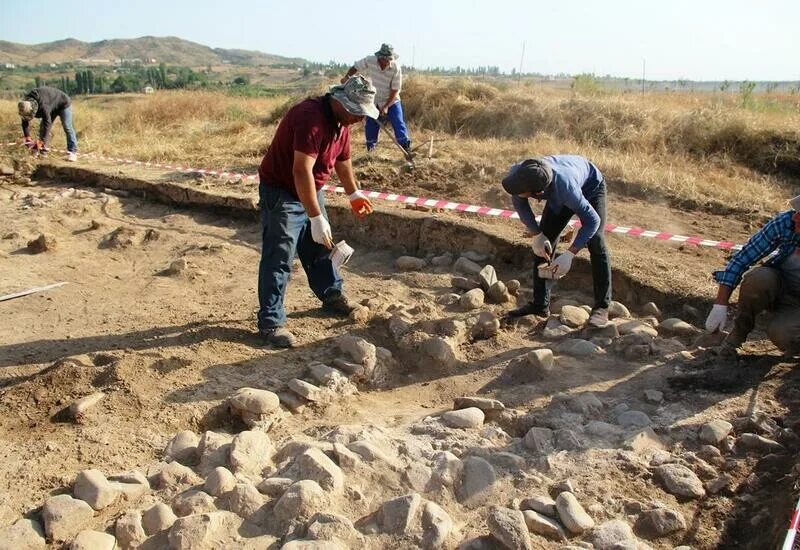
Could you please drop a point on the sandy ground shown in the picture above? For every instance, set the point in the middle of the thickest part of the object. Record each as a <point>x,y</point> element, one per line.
<point>168,349</point>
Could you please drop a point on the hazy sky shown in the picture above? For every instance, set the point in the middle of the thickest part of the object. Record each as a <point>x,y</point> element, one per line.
<point>693,39</point>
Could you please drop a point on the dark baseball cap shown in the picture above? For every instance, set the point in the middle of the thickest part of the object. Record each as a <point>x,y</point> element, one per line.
<point>528,176</point>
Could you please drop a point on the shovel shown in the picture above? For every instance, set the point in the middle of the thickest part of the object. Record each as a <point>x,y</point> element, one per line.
<point>409,156</point>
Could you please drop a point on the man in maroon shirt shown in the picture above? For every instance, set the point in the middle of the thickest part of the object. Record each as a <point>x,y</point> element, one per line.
<point>312,140</point>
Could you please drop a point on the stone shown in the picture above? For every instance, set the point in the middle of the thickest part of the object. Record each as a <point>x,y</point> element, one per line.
<point>567,440</point>
<point>183,447</point>
<point>602,429</point>
<point>661,522</point>
<point>719,483</point>
<point>465,265</point>
<point>462,283</point>
<point>410,263</point>
<point>653,396</point>
<point>93,540</point>
<point>513,286</point>
<point>445,260</point>
<point>92,487</point>
<point>472,299</point>
<point>6,170</point>
<point>359,350</point>
<point>175,268</point>
<point>711,454</point>
<point>486,326</point>
<point>42,243</point>
<point>301,500</point>
<point>128,529</point>
<point>541,360</point>
<point>436,526</point>
<point>418,476</point>
<point>312,545</point>
<point>157,518</point>
<point>483,403</point>
<point>508,526</point>
<point>543,525</point>
<point>573,316</point>
<point>475,256</point>
<point>566,485</point>
<point>507,461</point>
<point>80,407</point>
<point>331,527</point>
<point>448,299</point>
<point>24,534</point>
<point>757,442</point>
<point>644,440</point>
<point>586,404</point>
<point>578,347</point>
<point>360,315</point>
<point>539,440</point>
<point>325,375</point>
<point>396,515</point>
<point>633,419</point>
<point>542,504</point>
<point>680,481</point>
<point>370,452</point>
<point>614,535</point>
<point>471,417</point>
<point>213,450</point>
<point>306,390</point>
<point>476,483</point>
<point>572,514</point>
<point>440,351</point>
<point>617,309</point>
<point>556,332</point>
<point>315,465</point>
<point>245,501</point>
<point>64,517</point>
<point>678,327</point>
<point>130,485</point>
<point>345,457</point>
<point>487,277</point>
<point>193,502</point>
<point>250,452</point>
<point>715,431</point>
<point>637,327</point>
<point>173,474</point>
<point>447,468</point>
<point>212,530</point>
<point>293,402</point>
<point>254,401</point>
<point>274,486</point>
<point>651,310</point>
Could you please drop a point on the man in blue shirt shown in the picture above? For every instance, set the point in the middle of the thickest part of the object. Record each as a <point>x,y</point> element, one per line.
<point>775,286</point>
<point>570,185</point>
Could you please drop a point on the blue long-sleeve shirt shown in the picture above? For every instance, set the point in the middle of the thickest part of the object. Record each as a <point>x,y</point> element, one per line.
<point>778,235</point>
<point>576,181</point>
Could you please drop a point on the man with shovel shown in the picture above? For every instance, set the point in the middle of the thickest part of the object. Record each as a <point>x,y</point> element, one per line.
<point>385,74</point>
<point>312,140</point>
<point>569,185</point>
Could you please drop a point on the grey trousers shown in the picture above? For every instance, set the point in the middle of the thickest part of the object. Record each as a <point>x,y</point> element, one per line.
<point>763,290</point>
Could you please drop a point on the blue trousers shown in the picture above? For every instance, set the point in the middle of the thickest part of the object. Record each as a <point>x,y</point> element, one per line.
<point>552,224</point>
<point>286,230</point>
<point>66,121</point>
<point>395,115</point>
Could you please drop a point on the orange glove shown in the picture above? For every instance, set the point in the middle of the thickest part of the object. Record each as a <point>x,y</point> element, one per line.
<point>360,204</point>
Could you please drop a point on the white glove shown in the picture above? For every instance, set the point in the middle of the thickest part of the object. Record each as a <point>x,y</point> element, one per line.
<point>562,264</point>
<point>542,246</point>
<point>716,318</point>
<point>321,231</point>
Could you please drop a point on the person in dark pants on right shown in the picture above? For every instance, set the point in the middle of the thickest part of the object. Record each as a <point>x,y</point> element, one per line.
<point>569,185</point>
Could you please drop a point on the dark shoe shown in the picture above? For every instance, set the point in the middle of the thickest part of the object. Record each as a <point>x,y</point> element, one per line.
<point>337,304</point>
<point>529,309</point>
<point>278,337</point>
<point>599,317</point>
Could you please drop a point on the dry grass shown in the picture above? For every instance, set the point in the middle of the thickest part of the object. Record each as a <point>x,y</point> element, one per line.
<point>695,150</point>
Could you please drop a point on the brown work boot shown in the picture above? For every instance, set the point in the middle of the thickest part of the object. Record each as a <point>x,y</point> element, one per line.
<point>528,309</point>
<point>336,302</point>
<point>599,317</point>
<point>278,337</point>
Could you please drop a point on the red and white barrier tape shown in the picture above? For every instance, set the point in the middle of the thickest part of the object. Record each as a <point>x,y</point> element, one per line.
<point>791,533</point>
<point>437,203</point>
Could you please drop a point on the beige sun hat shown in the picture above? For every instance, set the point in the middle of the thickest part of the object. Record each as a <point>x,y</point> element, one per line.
<point>357,95</point>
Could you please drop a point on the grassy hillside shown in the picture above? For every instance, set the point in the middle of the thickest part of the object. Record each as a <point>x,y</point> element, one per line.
<point>170,50</point>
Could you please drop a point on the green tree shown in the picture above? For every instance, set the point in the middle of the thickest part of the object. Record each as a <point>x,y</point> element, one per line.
<point>162,72</point>
<point>89,79</point>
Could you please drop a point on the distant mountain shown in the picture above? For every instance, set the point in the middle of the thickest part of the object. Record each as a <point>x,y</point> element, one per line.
<point>169,49</point>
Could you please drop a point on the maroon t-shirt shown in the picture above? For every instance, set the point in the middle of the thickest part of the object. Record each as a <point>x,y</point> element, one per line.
<point>311,128</point>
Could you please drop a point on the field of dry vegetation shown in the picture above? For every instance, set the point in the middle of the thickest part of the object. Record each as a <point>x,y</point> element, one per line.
<point>698,150</point>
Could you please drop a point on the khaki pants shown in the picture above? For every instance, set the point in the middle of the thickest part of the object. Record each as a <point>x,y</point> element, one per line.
<point>762,290</point>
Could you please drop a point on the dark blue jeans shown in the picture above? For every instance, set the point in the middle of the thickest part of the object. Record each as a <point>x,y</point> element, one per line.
<point>552,224</point>
<point>286,230</point>
<point>395,115</point>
